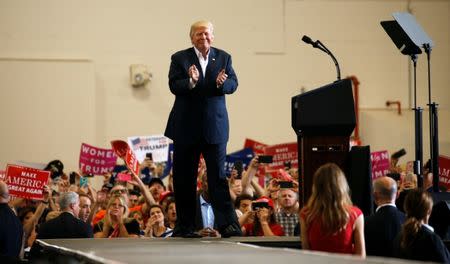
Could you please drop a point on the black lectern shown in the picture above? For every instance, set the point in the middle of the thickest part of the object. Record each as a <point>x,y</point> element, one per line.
<point>323,120</point>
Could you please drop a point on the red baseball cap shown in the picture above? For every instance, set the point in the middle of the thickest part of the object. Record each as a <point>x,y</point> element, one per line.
<point>265,199</point>
<point>164,195</point>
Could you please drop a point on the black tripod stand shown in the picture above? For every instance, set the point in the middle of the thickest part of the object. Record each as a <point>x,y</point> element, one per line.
<point>409,37</point>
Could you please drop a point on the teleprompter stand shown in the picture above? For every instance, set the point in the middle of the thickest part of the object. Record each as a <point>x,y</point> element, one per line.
<point>409,37</point>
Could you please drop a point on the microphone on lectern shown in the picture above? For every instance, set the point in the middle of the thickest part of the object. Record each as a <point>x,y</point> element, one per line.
<point>319,45</point>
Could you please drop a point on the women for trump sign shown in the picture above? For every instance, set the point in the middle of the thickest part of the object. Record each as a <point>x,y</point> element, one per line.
<point>95,160</point>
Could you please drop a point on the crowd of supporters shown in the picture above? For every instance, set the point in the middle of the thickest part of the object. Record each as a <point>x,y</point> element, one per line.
<point>145,207</point>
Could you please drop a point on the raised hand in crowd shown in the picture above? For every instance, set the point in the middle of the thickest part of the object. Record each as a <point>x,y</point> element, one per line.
<point>234,185</point>
<point>272,190</point>
<point>247,217</point>
<point>29,225</point>
<point>148,163</point>
<point>106,177</point>
<point>63,186</point>
<point>136,181</point>
<point>249,181</point>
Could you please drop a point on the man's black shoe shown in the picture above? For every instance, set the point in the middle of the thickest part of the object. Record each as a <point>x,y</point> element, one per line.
<point>185,234</point>
<point>191,235</point>
<point>231,231</point>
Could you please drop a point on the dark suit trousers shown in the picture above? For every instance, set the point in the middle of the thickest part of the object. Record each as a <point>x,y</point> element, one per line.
<point>185,168</point>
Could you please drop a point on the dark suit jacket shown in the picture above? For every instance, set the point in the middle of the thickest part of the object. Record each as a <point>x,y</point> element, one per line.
<point>11,233</point>
<point>199,113</point>
<point>380,230</point>
<point>64,226</point>
<point>427,246</point>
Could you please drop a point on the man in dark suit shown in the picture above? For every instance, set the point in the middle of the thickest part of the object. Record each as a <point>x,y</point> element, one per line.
<point>200,77</point>
<point>382,227</point>
<point>11,231</point>
<point>67,224</point>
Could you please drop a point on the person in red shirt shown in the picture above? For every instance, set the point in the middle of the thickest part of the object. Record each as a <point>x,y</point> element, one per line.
<point>264,223</point>
<point>329,221</point>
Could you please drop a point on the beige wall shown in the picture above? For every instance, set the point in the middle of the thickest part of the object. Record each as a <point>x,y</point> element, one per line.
<point>64,68</point>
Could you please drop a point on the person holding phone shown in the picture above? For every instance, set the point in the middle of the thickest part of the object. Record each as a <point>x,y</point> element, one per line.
<point>264,223</point>
<point>200,77</point>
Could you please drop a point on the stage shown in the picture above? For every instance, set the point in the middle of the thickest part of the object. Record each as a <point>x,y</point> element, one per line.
<point>248,250</point>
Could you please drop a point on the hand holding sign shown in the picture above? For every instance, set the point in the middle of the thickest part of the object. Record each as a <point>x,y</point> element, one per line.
<point>122,150</point>
<point>26,182</point>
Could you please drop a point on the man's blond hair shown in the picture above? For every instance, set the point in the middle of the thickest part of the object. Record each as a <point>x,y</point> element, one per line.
<point>200,24</point>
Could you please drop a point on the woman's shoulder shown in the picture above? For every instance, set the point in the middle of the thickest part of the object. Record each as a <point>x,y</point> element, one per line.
<point>304,212</point>
<point>355,210</point>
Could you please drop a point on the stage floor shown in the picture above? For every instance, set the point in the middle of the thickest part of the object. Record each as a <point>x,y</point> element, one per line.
<point>195,251</point>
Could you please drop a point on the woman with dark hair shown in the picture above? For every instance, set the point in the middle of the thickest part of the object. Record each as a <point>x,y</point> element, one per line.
<point>155,224</point>
<point>329,221</point>
<point>417,239</point>
<point>171,214</point>
<point>263,223</point>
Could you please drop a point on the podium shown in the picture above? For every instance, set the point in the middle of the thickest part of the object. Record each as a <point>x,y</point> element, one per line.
<point>323,119</point>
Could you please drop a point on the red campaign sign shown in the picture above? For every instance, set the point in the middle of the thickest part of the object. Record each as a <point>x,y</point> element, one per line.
<point>132,162</point>
<point>282,153</point>
<point>123,177</point>
<point>120,147</point>
<point>124,151</point>
<point>26,182</point>
<point>380,163</point>
<point>444,173</point>
<point>2,175</point>
<point>258,149</point>
<point>95,160</point>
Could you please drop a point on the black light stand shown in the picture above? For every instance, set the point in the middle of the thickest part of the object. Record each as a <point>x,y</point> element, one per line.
<point>409,36</point>
<point>418,126</point>
<point>434,132</point>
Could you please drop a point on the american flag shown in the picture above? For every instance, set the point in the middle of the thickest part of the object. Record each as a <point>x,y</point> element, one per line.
<point>138,142</point>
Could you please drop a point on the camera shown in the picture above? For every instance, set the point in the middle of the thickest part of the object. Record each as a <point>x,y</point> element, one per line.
<point>287,165</point>
<point>394,176</point>
<point>265,159</point>
<point>398,154</point>
<point>239,167</point>
<point>149,155</point>
<point>286,184</point>
<point>258,205</point>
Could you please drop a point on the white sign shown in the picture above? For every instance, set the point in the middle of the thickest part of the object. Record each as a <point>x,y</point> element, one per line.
<point>158,145</point>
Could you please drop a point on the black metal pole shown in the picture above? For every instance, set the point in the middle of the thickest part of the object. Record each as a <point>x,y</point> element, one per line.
<point>418,111</point>
<point>434,132</point>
